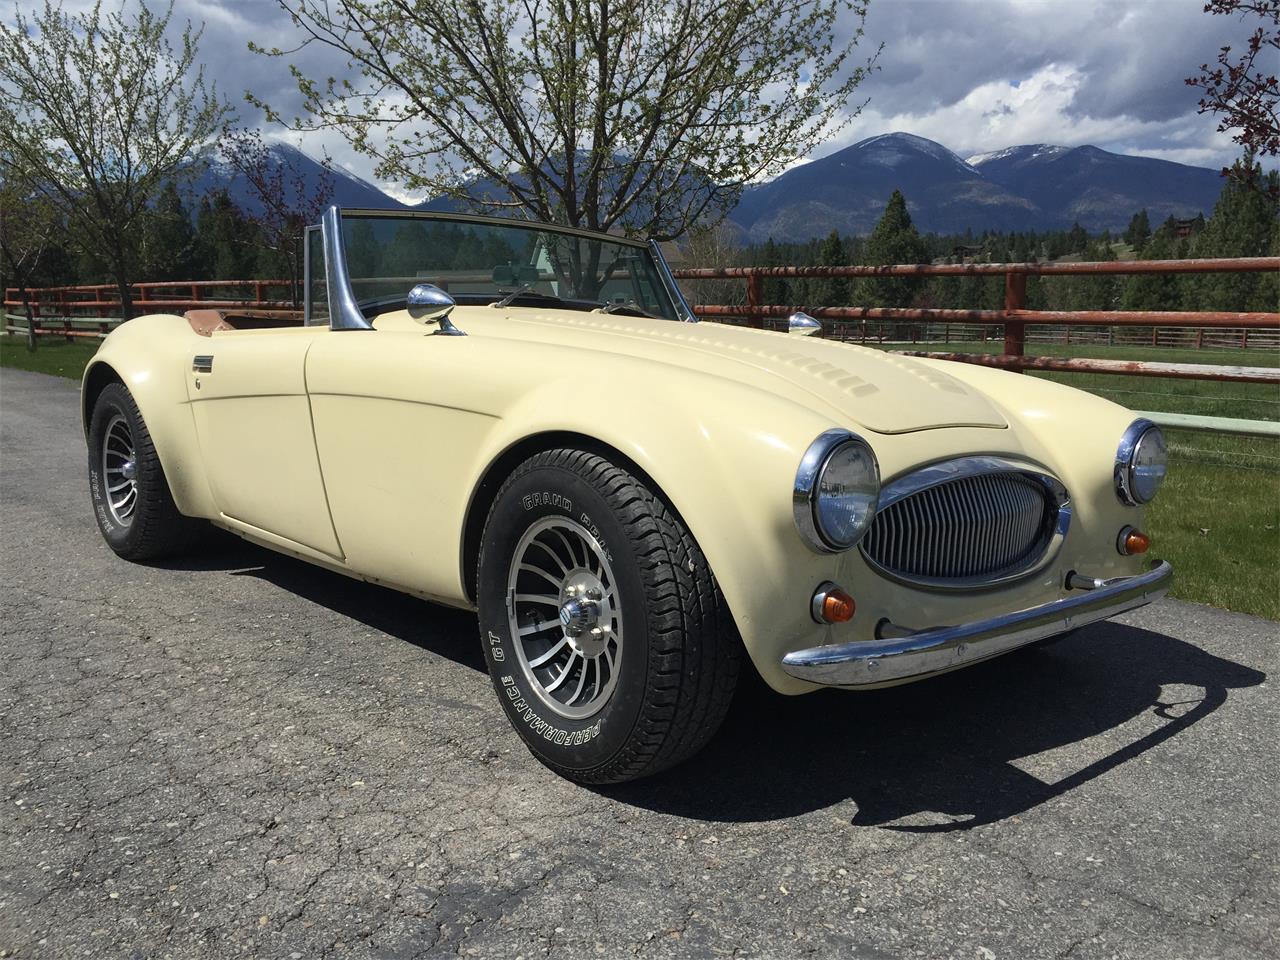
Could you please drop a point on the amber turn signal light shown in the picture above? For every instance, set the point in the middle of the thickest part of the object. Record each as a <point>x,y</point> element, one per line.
<point>1131,542</point>
<point>830,604</point>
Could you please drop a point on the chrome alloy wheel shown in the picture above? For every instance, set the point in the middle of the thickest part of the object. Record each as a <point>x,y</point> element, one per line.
<point>120,470</point>
<point>564,614</point>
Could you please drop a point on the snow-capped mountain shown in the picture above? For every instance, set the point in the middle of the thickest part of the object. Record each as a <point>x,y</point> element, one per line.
<point>1028,187</point>
<point>348,189</point>
<point>1098,188</point>
<point>1029,151</point>
<point>847,191</point>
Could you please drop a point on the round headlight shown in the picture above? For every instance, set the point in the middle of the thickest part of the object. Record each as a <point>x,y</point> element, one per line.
<point>1141,463</point>
<point>836,491</point>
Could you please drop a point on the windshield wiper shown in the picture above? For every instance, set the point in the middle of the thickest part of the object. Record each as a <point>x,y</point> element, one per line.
<point>630,306</point>
<point>525,291</point>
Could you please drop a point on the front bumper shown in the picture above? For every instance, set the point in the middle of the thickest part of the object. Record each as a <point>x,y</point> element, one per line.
<point>932,650</point>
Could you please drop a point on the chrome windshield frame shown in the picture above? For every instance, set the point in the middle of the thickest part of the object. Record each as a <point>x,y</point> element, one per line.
<point>684,313</point>
<point>344,311</point>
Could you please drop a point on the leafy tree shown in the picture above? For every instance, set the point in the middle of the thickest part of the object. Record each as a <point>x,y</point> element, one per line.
<point>1242,87</point>
<point>645,116</point>
<point>96,113</point>
<point>1139,231</point>
<point>894,240</point>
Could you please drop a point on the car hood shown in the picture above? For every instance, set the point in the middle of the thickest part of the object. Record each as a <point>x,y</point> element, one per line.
<point>880,391</point>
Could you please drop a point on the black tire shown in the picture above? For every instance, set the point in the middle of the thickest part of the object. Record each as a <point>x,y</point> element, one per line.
<point>678,655</point>
<point>150,527</point>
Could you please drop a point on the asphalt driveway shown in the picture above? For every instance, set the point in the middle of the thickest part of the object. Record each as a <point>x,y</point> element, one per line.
<point>245,755</point>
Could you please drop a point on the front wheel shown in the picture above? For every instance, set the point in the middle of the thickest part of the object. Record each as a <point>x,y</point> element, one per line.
<point>127,485</point>
<point>606,636</point>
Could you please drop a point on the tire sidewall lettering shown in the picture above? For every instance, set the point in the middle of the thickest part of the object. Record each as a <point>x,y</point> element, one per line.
<point>590,741</point>
<point>114,532</point>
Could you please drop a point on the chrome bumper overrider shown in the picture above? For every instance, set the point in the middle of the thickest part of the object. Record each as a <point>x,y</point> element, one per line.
<point>940,648</point>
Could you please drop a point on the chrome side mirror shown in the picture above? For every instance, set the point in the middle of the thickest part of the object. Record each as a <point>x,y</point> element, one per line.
<point>427,303</point>
<point>802,325</point>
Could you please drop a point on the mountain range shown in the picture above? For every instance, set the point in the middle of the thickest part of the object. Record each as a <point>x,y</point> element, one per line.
<point>1028,187</point>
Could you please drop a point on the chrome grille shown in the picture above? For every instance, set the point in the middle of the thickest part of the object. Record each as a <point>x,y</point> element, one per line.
<point>983,528</point>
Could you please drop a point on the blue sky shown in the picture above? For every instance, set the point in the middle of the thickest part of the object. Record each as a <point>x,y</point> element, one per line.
<point>976,75</point>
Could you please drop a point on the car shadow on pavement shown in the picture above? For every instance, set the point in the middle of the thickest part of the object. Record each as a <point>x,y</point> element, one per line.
<point>951,753</point>
<point>444,631</point>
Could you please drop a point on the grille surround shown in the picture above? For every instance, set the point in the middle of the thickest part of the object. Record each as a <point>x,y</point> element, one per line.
<point>971,523</point>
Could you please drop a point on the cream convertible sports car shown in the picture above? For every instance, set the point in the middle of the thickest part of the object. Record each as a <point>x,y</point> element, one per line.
<point>526,420</point>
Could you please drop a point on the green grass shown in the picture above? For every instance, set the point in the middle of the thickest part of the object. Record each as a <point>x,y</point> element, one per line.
<point>1220,528</point>
<point>1217,520</point>
<point>53,355</point>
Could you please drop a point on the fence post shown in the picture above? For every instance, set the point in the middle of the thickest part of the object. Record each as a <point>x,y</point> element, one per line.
<point>1015,298</point>
<point>755,288</point>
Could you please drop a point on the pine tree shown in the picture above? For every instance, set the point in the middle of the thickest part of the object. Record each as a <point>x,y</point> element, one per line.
<point>773,289</point>
<point>1139,231</point>
<point>832,291</point>
<point>168,240</point>
<point>1155,291</point>
<point>1245,223</point>
<point>225,239</point>
<point>894,240</point>
<point>1077,239</point>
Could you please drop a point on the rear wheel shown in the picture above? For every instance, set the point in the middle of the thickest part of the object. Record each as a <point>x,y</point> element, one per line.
<point>607,639</point>
<point>131,499</point>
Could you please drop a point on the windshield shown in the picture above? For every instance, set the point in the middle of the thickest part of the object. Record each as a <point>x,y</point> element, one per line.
<point>487,262</point>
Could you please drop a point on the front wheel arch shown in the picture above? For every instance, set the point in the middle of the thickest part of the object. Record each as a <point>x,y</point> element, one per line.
<point>505,463</point>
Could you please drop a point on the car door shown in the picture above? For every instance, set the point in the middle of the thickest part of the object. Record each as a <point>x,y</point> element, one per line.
<point>400,421</point>
<point>253,418</point>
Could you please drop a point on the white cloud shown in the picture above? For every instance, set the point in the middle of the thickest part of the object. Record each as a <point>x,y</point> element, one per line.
<point>975,75</point>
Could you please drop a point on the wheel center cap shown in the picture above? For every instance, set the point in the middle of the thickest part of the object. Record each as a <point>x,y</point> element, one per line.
<point>578,615</point>
<point>130,470</point>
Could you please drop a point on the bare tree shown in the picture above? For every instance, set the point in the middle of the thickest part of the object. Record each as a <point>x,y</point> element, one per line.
<point>28,228</point>
<point>1242,87</point>
<point>642,115</point>
<point>96,113</point>
<point>713,246</point>
<point>288,201</point>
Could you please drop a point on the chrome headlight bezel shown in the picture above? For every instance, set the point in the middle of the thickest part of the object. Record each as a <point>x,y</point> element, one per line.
<point>808,482</point>
<point>1129,487</point>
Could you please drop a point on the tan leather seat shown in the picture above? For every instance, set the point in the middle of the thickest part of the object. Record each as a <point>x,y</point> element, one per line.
<point>205,322</point>
<point>208,322</point>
